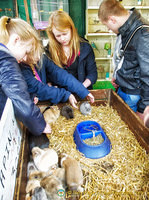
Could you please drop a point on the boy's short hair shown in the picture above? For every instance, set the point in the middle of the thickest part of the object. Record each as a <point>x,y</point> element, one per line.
<point>110,8</point>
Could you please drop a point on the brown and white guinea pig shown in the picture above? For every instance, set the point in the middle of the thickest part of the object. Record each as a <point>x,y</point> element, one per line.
<point>38,175</point>
<point>74,175</point>
<point>52,186</point>
<point>51,114</point>
<point>31,185</point>
<point>44,159</point>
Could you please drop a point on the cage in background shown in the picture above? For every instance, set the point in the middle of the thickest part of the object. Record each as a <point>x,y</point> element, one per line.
<point>41,10</point>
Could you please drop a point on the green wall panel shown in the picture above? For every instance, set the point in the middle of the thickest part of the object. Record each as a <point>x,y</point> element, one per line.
<point>7,8</point>
<point>21,9</point>
<point>77,13</point>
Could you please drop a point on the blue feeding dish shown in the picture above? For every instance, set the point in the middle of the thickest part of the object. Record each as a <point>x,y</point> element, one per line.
<point>89,129</point>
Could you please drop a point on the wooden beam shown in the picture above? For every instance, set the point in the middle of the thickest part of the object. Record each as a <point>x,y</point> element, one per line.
<point>26,11</point>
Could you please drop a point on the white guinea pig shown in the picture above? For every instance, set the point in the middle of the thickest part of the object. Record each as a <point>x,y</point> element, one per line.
<point>44,159</point>
<point>85,108</point>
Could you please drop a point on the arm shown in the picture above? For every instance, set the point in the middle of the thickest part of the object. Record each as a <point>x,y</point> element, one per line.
<point>14,86</point>
<point>43,91</point>
<point>62,78</point>
<point>143,59</point>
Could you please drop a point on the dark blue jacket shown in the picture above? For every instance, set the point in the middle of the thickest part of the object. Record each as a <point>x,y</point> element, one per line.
<point>13,85</point>
<point>57,76</point>
<point>87,66</point>
<point>86,63</point>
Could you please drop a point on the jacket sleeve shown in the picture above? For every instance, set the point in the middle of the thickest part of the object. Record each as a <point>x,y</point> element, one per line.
<point>143,59</point>
<point>14,87</point>
<point>42,90</point>
<point>62,78</point>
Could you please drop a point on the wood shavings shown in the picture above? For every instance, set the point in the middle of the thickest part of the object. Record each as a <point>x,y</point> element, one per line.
<point>123,173</point>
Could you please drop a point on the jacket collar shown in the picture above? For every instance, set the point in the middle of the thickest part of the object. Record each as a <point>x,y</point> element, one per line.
<point>130,24</point>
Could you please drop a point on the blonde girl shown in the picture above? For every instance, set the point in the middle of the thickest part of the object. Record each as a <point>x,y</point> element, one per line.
<point>19,42</point>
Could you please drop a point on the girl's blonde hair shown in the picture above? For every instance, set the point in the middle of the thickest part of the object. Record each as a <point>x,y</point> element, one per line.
<point>110,7</point>
<point>61,21</point>
<point>26,33</point>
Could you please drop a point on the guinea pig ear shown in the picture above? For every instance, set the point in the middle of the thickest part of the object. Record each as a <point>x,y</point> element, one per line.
<point>36,152</point>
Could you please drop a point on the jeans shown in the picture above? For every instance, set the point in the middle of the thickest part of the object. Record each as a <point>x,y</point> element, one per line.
<point>130,99</point>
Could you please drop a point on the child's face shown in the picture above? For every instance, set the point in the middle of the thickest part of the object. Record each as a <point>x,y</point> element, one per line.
<point>63,37</point>
<point>21,50</point>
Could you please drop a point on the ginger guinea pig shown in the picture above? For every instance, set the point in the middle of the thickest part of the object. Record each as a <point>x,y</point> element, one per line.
<point>74,175</point>
<point>51,114</point>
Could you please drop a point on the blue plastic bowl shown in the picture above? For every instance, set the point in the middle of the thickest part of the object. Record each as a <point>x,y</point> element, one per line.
<point>85,130</point>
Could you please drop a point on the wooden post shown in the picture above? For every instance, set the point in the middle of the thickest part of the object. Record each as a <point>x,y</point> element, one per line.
<point>26,11</point>
<point>16,9</point>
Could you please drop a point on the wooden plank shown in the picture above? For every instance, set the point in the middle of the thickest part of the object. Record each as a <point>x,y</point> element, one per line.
<point>21,177</point>
<point>134,123</point>
<point>26,11</point>
<point>16,9</point>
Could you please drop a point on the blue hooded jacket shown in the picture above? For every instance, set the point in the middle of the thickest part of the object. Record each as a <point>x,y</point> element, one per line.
<point>66,83</point>
<point>13,85</point>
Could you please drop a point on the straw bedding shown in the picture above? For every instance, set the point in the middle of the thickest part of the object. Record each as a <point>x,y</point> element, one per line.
<point>123,173</point>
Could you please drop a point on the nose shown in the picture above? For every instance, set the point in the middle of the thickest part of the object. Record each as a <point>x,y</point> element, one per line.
<point>62,38</point>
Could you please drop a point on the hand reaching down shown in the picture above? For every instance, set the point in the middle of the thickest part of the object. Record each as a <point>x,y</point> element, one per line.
<point>47,129</point>
<point>90,97</point>
<point>73,101</point>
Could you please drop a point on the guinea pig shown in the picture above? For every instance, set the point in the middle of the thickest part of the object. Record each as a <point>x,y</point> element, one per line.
<point>31,168</point>
<point>51,114</point>
<point>67,112</point>
<point>31,185</point>
<point>39,194</point>
<point>74,175</point>
<point>38,175</point>
<point>44,159</point>
<point>85,108</point>
<point>52,186</point>
<point>60,174</point>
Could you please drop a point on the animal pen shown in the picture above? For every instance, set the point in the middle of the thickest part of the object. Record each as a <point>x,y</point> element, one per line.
<point>123,173</point>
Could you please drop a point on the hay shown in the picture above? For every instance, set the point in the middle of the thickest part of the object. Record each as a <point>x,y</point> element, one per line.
<point>122,174</point>
<point>95,140</point>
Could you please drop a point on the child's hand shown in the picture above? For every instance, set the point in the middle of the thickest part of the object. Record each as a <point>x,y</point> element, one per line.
<point>90,97</point>
<point>73,101</point>
<point>114,84</point>
<point>47,129</point>
<point>35,100</point>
